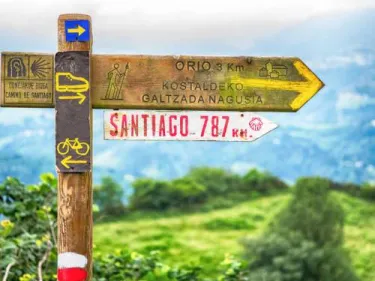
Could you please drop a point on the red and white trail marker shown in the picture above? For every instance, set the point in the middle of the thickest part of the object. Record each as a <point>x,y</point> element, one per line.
<point>71,267</point>
<point>184,125</point>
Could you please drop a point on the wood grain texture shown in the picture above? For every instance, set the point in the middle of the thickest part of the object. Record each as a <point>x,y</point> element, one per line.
<point>75,214</point>
<point>201,83</point>
<point>75,189</point>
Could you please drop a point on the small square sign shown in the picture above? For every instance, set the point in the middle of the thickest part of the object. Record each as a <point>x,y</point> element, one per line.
<point>77,30</point>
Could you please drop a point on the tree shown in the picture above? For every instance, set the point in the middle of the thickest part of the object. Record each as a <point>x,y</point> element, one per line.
<point>150,194</point>
<point>109,197</point>
<point>314,213</point>
<point>217,181</point>
<point>263,182</point>
<point>185,192</point>
<point>304,243</point>
<point>161,195</point>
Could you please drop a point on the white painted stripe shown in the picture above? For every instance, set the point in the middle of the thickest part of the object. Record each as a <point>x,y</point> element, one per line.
<point>69,259</point>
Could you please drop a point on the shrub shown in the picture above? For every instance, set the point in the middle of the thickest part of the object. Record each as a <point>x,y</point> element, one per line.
<point>28,232</point>
<point>368,192</point>
<point>185,192</point>
<point>291,257</point>
<point>131,266</point>
<point>305,240</point>
<point>150,194</point>
<point>313,212</point>
<point>108,196</point>
<point>217,181</point>
<point>255,180</point>
<point>162,195</point>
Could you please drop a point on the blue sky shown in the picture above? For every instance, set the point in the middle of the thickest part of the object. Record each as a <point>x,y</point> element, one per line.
<point>153,26</point>
<point>338,49</point>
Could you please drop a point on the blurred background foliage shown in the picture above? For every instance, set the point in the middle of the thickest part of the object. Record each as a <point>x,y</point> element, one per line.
<point>210,224</point>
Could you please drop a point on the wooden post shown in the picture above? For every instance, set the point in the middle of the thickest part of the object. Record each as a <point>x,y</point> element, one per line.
<point>74,152</point>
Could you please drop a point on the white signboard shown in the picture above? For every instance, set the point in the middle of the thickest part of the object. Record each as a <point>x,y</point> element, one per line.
<point>184,125</point>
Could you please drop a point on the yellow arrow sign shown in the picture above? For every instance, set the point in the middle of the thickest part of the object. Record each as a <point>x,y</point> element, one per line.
<point>67,160</point>
<point>79,29</point>
<point>306,89</point>
<point>78,96</point>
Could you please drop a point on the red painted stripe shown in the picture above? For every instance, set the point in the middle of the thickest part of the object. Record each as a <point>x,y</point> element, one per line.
<point>71,274</point>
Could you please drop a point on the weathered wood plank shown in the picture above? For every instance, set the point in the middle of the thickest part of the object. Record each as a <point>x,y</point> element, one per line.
<point>202,83</point>
<point>198,83</point>
<point>75,189</point>
<point>26,79</point>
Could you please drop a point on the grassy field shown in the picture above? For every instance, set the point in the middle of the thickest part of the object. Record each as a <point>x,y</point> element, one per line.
<point>204,238</point>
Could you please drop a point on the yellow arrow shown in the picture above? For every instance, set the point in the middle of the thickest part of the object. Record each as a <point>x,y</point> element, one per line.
<point>307,89</point>
<point>79,29</point>
<point>67,161</point>
<point>78,96</point>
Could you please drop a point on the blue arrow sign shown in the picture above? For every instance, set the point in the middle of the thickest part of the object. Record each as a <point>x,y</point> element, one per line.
<point>77,30</point>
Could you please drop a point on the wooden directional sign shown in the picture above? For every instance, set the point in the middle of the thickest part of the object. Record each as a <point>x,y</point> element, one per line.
<point>202,83</point>
<point>214,84</point>
<point>26,79</point>
<point>184,125</point>
<point>184,83</point>
<point>73,137</point>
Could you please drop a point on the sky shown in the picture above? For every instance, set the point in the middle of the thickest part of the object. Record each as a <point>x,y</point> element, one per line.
<point>171,27</point>
<point>152,26</point>
<point>198,27</point>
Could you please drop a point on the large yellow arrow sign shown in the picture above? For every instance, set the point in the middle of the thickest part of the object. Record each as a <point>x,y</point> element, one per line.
<point>306,89</point>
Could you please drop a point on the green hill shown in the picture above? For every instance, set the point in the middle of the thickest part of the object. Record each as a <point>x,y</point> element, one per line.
<point>204,238</point>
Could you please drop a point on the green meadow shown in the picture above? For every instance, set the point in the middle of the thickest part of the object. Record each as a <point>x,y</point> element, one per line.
<point>204,238</point>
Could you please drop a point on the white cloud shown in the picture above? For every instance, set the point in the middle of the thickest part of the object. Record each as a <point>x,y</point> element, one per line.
<point>151,172</point>
<point>276,141</point>
<point>129,178</point>
<point>167,21</point>
<point>358,59</point>
<point>353,100</point>
<point>6,140</point>
<point>107,159</point>
<point>373,123</point>
<point>371,170</point>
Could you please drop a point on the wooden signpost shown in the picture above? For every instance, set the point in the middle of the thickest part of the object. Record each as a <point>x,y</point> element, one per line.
<point>194,83</point>
<point>74,82</point>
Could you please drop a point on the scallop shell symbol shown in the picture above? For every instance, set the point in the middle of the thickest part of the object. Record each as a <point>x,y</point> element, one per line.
<point>40,68</point>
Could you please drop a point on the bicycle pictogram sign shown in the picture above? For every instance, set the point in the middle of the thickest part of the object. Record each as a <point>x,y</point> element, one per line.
<point>81,148</point>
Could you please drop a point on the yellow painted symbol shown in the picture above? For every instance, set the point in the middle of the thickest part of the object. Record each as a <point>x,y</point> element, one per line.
<point>79,30</point>
<point>80,86</point>
<point>67,160</point>
<point>78,96</point>
<point>81,148</point>
<point>307,89</point>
